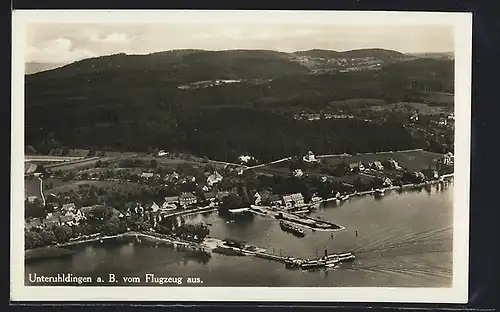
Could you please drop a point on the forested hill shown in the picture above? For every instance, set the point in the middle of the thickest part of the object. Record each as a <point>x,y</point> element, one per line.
<point>382,54</point>
<point>183,66</point>
<point>135,102</point>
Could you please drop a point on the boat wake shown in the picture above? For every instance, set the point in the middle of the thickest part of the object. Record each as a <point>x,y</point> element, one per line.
<point>411,272</point>
<point>389,255</point>
<point>417,242</point>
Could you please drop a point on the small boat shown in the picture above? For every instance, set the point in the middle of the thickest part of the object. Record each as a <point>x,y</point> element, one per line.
<point>315,199</point>
<point>287,227</point>
<point>346,257</point>
<point>309,265</point>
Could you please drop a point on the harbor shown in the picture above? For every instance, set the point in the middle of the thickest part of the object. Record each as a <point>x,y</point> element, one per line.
<point>230,247</point>
<point>277,265</point>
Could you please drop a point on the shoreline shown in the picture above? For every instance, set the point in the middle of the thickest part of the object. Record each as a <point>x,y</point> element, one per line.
<point>59,250</point>
<point>52,250</point>
<point>389,188</point>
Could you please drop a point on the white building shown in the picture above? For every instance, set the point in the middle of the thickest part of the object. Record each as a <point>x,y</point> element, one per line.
<point>155,207</point>
<point>394,164</point>
<point>187,199</point>
<point>387,182</point>
<point>32,199</point>
<point>258,198</point>
<point>309,157</point>
<point>378,165</point>
<point>170,203</point>
<point>245,158</point>
<point>214,178</point>
<point>298,173</point>
<point>293,200</point>
<point>147,175</point>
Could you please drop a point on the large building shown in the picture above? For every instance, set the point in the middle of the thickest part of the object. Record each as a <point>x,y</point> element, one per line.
<point>187,199</point>
<point>293,200</point>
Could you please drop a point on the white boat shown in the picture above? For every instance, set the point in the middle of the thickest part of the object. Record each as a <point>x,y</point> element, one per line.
<point>315,199</point>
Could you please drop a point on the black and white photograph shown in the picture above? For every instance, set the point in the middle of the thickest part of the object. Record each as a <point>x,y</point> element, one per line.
<point>245,155</point>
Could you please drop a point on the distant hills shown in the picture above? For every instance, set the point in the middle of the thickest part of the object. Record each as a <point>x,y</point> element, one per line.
<point>131,101</point>
<point>167,58</point>
<point>436,55</point>
<point>34,67</point>
<point>381,54</point>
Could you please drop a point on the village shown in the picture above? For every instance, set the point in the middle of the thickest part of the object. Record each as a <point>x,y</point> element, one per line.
<point>139,195</point>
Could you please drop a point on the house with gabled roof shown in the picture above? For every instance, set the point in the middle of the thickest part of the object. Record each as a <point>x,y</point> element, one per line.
<point>187,199</point>
<point>358,166</point>
<point>309,157</point>
<point>214,178</point>
<point>377,164</point>
<point>293,200</point>
<point>170,203</point>
<point>275,200</point>
<point>147,175</point>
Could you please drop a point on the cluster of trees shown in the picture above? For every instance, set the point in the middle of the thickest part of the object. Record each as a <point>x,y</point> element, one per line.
<point>101,220</point>
<point>34,209</point>
<point>225,133</point>
<point>104,220</point>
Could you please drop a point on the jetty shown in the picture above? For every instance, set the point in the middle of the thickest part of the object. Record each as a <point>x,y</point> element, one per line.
<point>327,261</point>
<point>231,247</point>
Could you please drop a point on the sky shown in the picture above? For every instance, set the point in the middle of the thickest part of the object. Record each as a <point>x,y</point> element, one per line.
<point>68,42</point>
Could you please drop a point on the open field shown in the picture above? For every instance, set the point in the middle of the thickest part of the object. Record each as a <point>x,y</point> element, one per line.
<point>357,102</point>
<point>411,160</point>
<point>85,152</point>
<point>90,162</point>
<point>78,165</point>
<point>286,172</point>
<point>412,107</point>
<point>439,97</point>
<point>166,161</point>
<point>75,185</point>
<point>32,187</point>
<point>45,158</point>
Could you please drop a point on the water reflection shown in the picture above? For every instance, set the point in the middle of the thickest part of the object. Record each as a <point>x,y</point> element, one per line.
<point>400,243</point>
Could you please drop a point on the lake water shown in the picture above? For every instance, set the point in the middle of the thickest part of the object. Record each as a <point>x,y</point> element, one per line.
<point>404,239</point>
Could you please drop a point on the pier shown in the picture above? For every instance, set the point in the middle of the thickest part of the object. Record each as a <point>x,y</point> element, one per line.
<point>238,248</point>
<point>328,260</point>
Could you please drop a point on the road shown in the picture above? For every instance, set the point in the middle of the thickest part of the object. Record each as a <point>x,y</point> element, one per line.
<point>31,158</point>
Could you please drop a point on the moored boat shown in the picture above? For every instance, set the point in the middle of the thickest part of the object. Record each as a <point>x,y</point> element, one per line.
<point>287,227</point>
<point>345,197</point>
<point>346,257</point>
<point>316,199</point>
<point>314,264</point>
